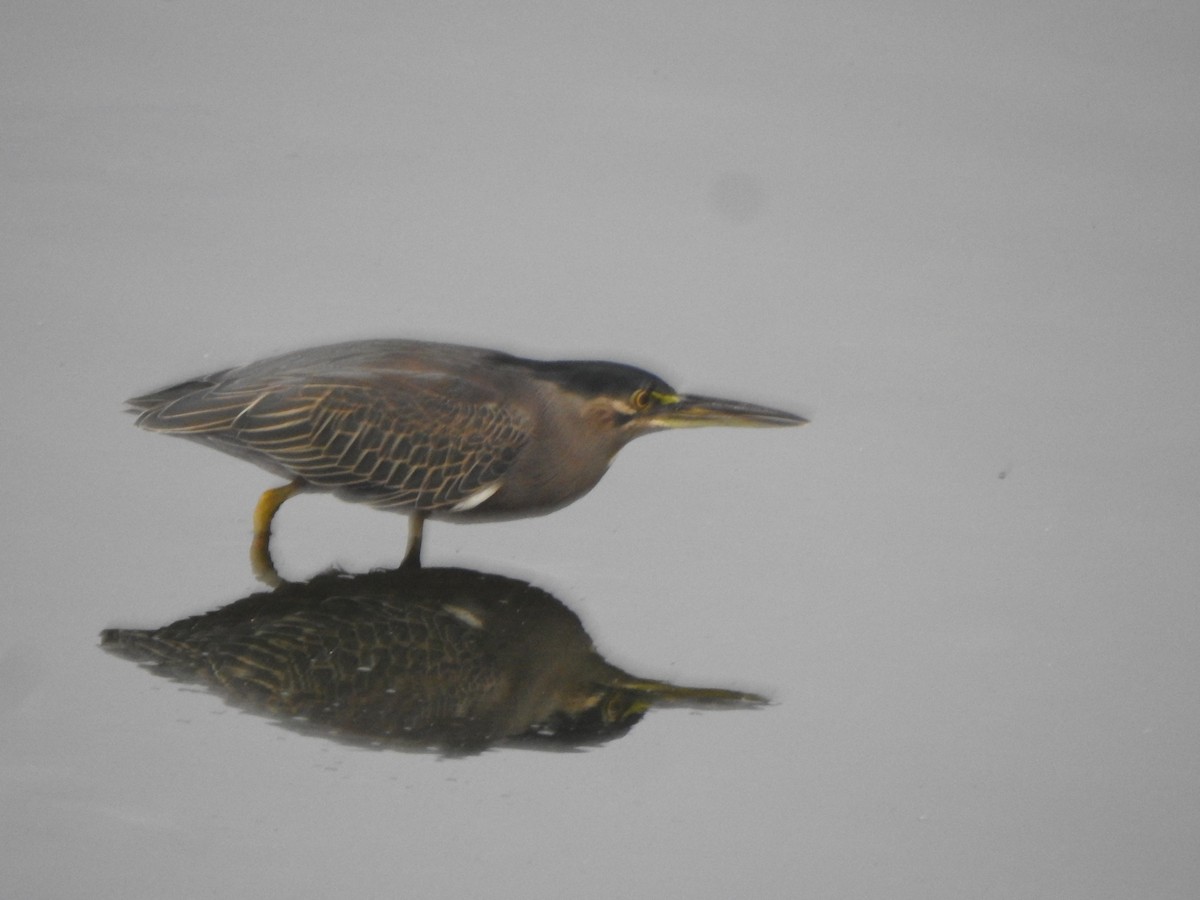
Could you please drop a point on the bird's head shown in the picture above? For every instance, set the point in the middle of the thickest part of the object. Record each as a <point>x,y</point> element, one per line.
<point>611,706</point>
<point>625,401</point>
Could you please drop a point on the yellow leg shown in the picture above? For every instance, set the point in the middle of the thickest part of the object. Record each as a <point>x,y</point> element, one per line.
<point>264,513</point>
<point>416,529</point>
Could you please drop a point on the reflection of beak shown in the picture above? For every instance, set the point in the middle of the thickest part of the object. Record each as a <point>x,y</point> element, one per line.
<point>689,411</point>
<point>655,692</point>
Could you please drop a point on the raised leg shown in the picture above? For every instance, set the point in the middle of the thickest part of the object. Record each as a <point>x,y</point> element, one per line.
<point>264,513</point>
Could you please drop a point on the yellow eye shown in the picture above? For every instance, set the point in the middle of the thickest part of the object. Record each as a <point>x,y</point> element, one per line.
<point>642,399</point>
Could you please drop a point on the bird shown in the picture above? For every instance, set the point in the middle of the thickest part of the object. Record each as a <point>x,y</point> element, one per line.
<point>441,658</point>
<point>434,430</point>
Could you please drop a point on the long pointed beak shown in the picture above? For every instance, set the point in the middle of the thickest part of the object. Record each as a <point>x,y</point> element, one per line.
<point>691,411</point>
<point>663,692</point>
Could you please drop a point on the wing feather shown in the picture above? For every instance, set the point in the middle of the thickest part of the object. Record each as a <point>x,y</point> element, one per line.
<point>412,440</point>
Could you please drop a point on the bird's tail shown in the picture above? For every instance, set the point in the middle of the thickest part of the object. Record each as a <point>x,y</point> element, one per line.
<point>140,646</point>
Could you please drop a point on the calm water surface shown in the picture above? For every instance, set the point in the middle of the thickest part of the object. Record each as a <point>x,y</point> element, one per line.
<point>962,243</point>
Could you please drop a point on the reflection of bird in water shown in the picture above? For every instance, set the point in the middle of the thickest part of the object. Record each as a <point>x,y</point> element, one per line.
<point>441,657</point>
<point>433,430</point>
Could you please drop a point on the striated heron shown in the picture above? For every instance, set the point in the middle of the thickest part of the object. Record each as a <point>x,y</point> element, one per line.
<point>433,430</point>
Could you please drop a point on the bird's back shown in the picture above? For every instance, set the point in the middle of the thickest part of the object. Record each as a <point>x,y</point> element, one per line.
<point>189,405</point>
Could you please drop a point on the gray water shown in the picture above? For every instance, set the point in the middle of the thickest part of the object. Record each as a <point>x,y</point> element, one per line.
<point>961,240</point>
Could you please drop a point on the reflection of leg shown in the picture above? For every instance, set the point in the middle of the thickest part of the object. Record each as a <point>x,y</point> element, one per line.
<point>412,556</point>
<point>264,513</point>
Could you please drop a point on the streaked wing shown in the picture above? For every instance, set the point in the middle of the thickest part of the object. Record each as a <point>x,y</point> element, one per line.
<point>412,440</point>
<point>370,663</point>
